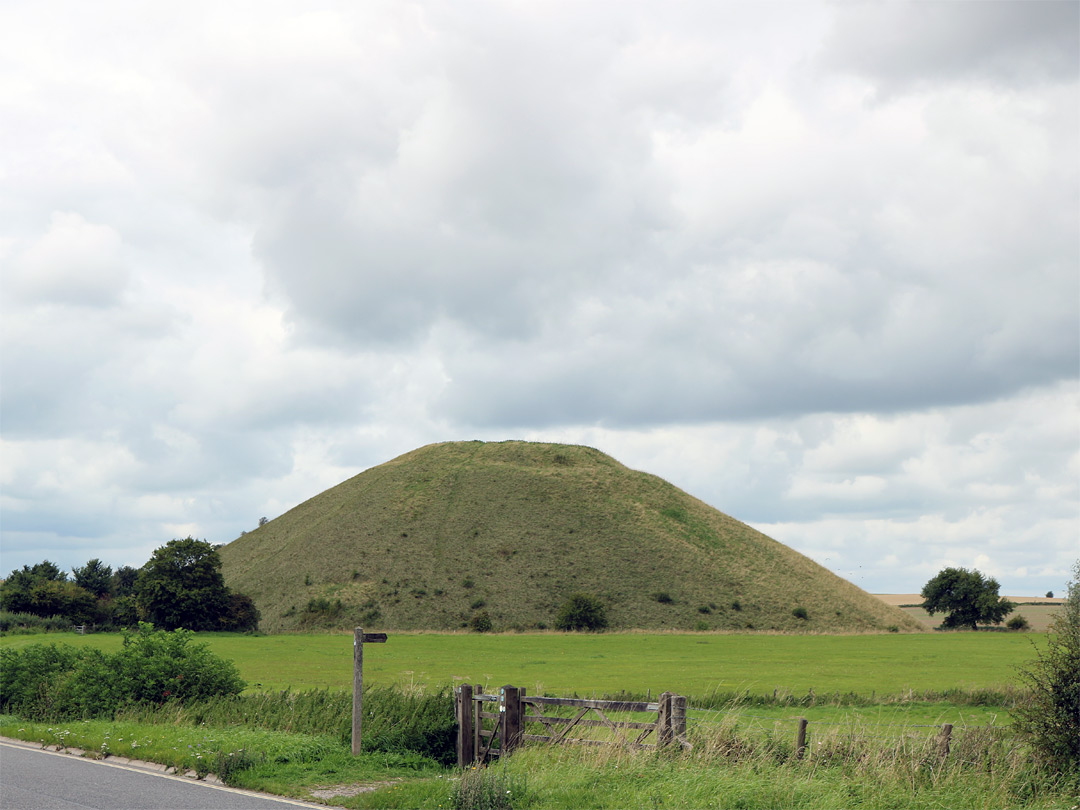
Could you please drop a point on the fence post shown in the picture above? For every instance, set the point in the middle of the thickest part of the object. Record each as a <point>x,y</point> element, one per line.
<point>943,740</point>
<point>800,739</point>
<point>678,717</point>
<point>663,720</point>
<point>510,708</point>
<point>465,740</point>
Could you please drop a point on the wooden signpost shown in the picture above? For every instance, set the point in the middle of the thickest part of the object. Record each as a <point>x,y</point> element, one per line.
<point>359,637</point>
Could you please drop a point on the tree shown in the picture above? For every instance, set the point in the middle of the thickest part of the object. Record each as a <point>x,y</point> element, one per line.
<point>182,586</point>
<point>95,576</point>
<point>44,590</point>
<point>1050,716</point>
<point>966,597</point>
<point>47,570</point>
<point>581,612</point>
<point>123,581</point>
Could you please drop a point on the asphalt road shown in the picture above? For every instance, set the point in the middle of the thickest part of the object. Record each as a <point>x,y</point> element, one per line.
<point>32,779</point>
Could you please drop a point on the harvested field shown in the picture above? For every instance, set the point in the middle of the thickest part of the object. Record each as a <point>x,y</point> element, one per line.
<point>1038,610</point>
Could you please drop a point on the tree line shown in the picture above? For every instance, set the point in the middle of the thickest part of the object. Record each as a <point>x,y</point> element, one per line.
<point>180,586</point>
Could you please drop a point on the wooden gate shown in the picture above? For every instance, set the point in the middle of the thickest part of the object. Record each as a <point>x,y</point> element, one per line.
<point>493,725</point>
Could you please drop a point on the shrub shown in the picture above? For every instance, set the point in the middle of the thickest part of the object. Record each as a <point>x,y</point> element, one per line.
<point>1050,716</point>
<point>241,614</point>
<point>477,604</point>
<point>1018,623</point>
<point>322,611</point>
<point>582,612</point>
<point>663,597</point>
<point>60,681</point>
<point>481,622</point>
<point>736,605</point>
<point>800,613</point>
<point>154,665</point>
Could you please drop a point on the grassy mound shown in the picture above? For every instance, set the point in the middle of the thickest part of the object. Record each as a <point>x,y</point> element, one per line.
<point>433,538</point>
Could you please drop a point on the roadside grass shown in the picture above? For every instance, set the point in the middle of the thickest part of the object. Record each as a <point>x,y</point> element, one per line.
<point>642,663</point>
<point>727,768</point>
<point>186,748</point>
<point>278,762</point>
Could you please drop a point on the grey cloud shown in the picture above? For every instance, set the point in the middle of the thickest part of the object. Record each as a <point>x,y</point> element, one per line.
<point>1014,42</point>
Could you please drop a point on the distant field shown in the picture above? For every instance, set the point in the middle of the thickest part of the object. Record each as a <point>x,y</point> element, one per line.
<point>897,599</point>
<point>693,664</point>
<point>1038,610</point>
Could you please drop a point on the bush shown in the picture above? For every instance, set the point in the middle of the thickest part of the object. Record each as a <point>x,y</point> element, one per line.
<point>481,622</point>
<point>1018,623</point>
<point>61,681</point>
<point>800,613</point>
<point>663,597</point>
<point>241,615</point>
<point>1050,716</point>
<point>582,612</point>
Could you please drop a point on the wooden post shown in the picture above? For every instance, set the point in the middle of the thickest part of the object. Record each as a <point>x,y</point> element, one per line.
<point>478,722</point>
<point>943,740</point>
<point>663,720</point>
<point>465,751</point>
<point>678,717</point>
<point>510,708</point>
<point>800,739</point>
<point>359,637</point>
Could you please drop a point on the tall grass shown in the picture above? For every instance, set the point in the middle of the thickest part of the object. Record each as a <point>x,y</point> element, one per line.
<point>717,699</point>
<point>848,767</point>
<point>394,720</point>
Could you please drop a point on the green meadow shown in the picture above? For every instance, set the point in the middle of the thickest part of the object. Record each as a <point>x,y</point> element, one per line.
<point>567,664</point>
<point>877,704</point>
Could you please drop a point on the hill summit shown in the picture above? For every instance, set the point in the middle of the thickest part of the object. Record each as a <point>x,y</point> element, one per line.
<point>433,538</point>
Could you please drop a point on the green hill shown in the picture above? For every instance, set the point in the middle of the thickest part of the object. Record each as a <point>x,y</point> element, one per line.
<point>431,538</point>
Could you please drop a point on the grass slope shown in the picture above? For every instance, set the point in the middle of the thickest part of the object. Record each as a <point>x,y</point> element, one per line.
<point>431,538</point>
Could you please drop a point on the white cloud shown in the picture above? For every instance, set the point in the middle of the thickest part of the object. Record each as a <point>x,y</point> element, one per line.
<point>818,267</point>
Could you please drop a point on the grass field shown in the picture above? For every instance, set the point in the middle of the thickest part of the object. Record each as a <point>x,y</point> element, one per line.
<point>877,754</point>
<point>690,664</point>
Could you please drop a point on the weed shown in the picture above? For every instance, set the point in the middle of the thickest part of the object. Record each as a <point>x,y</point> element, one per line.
<point>487,789</point>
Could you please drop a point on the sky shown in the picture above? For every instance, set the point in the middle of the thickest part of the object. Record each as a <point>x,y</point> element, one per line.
<point>817,264</point>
